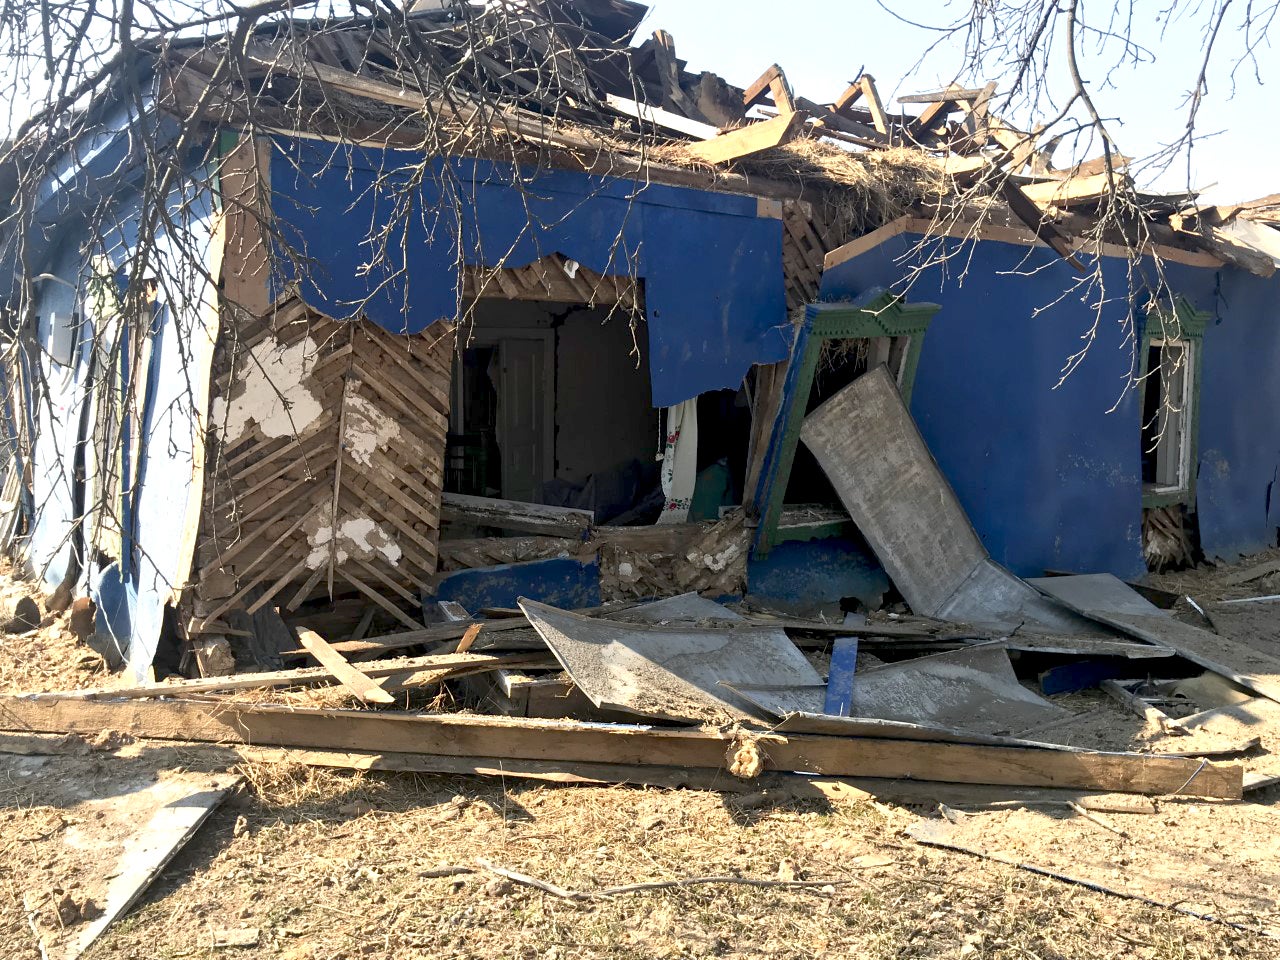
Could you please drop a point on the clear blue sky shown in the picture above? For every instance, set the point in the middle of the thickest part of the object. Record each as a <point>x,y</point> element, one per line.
<point>821,46</point>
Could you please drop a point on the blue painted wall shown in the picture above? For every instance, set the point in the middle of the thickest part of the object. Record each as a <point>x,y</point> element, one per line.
<point>712,267</point>
<point>1050,472</point>
<point>800,576</point>
<point>1240,417</point>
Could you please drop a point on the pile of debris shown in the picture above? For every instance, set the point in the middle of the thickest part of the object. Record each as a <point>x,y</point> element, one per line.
<point>690,692</point>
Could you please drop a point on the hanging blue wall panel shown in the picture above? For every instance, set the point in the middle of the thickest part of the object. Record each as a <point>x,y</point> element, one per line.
<point>1049,473</point>
<point>712,267</point>
<point>1240,418</point>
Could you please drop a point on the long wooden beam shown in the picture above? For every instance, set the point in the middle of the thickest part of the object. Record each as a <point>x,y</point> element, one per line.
<point>565,742</point>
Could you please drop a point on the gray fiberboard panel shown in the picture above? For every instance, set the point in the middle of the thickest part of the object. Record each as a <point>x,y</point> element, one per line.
<point>869,447</point>
<point>672,672</point>
<point>686,606</point>
<point>973,690</point>
<point>1110,600</point>
<point>992,595</point>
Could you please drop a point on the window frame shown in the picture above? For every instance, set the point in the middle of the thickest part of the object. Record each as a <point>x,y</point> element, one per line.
<point>1181,324</point>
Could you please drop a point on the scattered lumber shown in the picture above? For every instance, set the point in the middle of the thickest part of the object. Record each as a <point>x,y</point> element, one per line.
<point>1025,208</point>
<point>1106,599</point>
<point>749,140</point>
<point>443,666</point>
<point>534,518</point>
<point>366,689</point>
<point>566,743</point>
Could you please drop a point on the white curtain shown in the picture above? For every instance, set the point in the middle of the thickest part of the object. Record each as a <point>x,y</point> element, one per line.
<point>680,461</point>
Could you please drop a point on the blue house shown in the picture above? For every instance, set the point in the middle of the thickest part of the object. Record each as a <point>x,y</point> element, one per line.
<point>316,360</point>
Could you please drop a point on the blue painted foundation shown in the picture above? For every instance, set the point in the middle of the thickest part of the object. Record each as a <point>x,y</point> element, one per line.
<point>798,577</point>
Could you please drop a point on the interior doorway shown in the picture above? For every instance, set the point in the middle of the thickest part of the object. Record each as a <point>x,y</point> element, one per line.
<point>552,404</point>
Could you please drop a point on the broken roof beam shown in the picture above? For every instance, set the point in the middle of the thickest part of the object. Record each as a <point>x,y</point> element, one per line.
<point>756,92</point>
<point>1026,210</point>
<point>749,140</point>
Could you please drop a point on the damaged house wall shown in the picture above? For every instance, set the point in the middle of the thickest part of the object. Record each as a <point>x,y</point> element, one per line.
<point>119,393</point>
<point>1050,477</point>
<point>1237,492</point>
<point>710,262</point>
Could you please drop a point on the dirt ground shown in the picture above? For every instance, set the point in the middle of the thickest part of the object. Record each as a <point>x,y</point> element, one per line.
<point>311,864</point>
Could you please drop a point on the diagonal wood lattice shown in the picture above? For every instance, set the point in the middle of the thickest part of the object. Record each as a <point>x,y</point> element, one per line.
<point>329,464</point>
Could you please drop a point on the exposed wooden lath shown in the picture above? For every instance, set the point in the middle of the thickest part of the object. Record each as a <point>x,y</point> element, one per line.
<point>553,278</point>
<point>330,474</point>
<point>806,239</point>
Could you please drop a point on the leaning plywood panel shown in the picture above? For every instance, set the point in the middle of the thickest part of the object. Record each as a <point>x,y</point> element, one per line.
<point>869,447</point>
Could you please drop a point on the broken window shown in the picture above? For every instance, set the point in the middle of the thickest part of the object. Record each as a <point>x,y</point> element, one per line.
<point>843,342</point>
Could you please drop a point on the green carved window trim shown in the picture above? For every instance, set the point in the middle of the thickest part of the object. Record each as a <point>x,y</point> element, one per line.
<point>1181,323</point>
<point>884,315</point>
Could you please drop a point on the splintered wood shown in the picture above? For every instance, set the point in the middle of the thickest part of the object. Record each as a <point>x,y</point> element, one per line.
<point>326,464</point>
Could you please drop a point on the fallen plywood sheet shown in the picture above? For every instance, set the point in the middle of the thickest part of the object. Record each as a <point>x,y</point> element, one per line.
<point>668,672</point>
<point>973,689</point>
<point>566,743</point>
<point>959,693</point>
<point>181,803</point>
<point>1107,599</point>
<point>869,447</point>
<point>687,607</point>
<point>798,710</point>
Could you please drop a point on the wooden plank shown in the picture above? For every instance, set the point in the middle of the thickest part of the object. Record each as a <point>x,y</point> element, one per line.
<point>442,664</point>
<point>1067,193</point>
<point>949,95</point>
<point>511,515</point>
<point>364,687</point>
<point>1026,210</point>
<point>661,119</point>
<point>562,741</point>
<point>1255,572</point>
<point>749,140</point>
<point>413,638</point>
<point>760,86</point>
<point>867,84</point>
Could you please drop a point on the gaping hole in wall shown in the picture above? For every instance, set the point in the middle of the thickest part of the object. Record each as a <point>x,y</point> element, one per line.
<point>840,362</point>
<point>551,404</point>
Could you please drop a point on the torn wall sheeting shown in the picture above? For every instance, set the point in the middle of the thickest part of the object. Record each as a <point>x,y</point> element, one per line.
<point>969,691</point>
<point>674,673</point>
<point>798,710</point>
<point>1109,600</point>
<point>869,447</point>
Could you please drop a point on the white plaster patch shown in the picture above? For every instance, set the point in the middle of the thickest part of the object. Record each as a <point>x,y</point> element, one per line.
<point>357,536</point>
<point>270,389</point>
<point>367,429</point>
